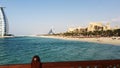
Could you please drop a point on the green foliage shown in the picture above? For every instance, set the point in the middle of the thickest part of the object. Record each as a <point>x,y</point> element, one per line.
<point>116,32</point>
<point>101,33</point>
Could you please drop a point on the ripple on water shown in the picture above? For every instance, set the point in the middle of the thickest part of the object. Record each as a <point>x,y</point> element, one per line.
<point>22,49</point>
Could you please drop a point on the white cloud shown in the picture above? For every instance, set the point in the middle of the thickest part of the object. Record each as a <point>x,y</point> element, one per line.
<point>116,19</point>
<point>113,22</point>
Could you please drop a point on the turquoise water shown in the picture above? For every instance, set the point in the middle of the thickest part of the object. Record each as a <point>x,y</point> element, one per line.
<point>22,49</point>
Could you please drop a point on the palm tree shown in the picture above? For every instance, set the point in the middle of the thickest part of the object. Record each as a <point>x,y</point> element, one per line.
<point>116,32</point>
<point>109,33</point>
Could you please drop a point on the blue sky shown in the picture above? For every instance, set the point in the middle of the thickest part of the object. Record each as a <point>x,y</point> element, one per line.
<point>27,17</point>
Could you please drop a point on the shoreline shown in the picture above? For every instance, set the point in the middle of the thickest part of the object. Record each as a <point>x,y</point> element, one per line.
<point>7,36</point>
<point>101,40</point>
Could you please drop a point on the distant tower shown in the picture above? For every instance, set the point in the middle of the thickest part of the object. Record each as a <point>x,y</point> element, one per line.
<point>51,32</point>
<point>3,23</point>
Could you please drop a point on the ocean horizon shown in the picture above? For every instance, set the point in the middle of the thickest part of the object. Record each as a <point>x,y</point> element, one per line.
<point>19,50</point>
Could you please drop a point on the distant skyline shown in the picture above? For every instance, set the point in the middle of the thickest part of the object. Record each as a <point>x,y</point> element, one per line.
<point>29,17</point>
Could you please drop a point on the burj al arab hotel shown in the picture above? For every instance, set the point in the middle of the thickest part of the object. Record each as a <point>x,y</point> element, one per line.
<point>3,23</point>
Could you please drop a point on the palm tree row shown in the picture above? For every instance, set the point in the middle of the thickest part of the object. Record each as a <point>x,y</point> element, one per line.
<point>107,33</point>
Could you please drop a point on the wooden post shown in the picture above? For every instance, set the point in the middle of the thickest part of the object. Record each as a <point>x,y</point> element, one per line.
<point>36,62</point>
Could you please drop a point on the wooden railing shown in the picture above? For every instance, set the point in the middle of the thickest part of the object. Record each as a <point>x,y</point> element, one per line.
<point>77,64</point>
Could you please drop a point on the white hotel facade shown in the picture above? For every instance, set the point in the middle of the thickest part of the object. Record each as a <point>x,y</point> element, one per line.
<point>3,23</point>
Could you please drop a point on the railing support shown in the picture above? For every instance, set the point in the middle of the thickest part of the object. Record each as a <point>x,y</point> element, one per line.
<point>36,62</point>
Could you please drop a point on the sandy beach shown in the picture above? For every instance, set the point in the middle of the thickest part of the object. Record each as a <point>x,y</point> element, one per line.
<point>102,40</point>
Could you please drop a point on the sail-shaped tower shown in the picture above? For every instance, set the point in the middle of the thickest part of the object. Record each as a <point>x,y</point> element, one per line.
<point>3,23</point>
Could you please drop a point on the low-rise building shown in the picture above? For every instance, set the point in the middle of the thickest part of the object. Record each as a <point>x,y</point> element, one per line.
<point>71,29</point>
<point>98,26</point>
<point>77,29</point>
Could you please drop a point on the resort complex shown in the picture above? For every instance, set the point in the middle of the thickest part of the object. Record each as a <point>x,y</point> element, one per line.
<point>93,26</point>
<point>3,23</point>
<point>94,29</point>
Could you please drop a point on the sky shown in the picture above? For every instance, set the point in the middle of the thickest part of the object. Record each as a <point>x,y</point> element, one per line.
<point>29,17</point>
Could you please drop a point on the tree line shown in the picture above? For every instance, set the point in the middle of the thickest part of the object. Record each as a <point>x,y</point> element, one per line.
<point>107,33</point>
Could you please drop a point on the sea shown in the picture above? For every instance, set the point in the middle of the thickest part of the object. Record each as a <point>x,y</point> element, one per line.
<point>20,50</point>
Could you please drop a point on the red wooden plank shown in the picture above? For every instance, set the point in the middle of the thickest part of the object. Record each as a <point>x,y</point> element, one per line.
<point>76,64</point>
